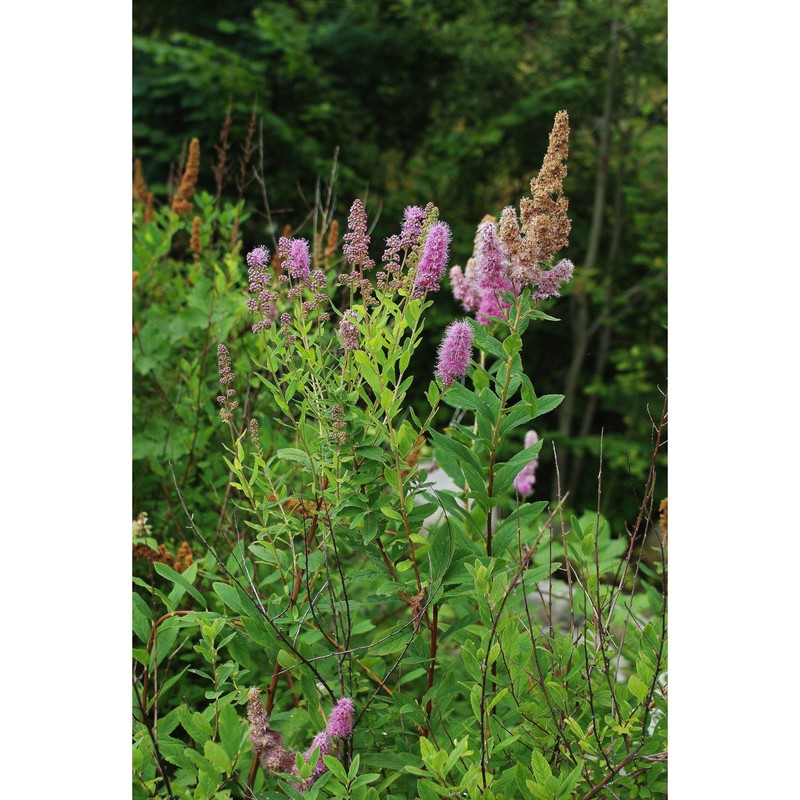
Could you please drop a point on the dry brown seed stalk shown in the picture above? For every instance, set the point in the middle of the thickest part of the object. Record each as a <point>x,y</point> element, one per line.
<point>139,186</point>
<point>544,217</point>
<point>181,203</point>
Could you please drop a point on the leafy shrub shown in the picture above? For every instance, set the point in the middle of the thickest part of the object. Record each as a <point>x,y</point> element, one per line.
<point>490,648</point>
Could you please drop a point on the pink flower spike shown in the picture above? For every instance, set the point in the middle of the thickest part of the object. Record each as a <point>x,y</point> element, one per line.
<point>340,722</point>
<point>455,352</point>
<point>322,741</point>
<point>526,477</point>
<point>356,241</point>
<point>434,258</point>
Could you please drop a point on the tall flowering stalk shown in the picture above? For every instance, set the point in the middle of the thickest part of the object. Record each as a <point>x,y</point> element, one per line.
<point>515,254</point>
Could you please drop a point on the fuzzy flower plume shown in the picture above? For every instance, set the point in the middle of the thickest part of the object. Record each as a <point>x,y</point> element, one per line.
<point>545,222</point>
<point>526,477</point>
<point>332,242</point>
<point>522,265</point>
<point>356,240</point>
<point>455,352</point>
<point>340,726</point>
<point>340,722</point>
<point>434,258</point>
<point>267,743</point>
<point>194,242</point>
<point>549,281</point>
<point>295,257</point>
<point>273,755</point>
<point>413,219</point>
<point>465,286</point>
<point>493,277</point>
<point>322,741</point>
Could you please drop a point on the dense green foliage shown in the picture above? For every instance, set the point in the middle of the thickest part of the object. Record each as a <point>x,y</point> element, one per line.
<point>318,517</point>
<point>493,647</point>
<point>446,101</point>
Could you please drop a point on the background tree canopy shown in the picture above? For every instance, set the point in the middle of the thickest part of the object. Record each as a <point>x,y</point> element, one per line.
<point>453,102</point>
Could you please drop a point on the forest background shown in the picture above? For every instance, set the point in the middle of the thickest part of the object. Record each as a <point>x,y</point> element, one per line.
<point>446,101</point>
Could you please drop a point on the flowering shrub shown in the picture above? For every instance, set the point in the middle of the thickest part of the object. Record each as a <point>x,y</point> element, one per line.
<point>407,636</point>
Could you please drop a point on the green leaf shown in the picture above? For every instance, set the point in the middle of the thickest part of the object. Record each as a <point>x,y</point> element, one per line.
<point>335,766</point>
<point>552,784</point>
<point>547,402</point>
<point>433,394</point>
<point>464,459</point>
<point>216,754</point>
<point>519,521</point>
<point>540,767</point>
<point>506,473</point>
<point>294,454</point>
<point>538,792</point>
<point>458,396</point>
<point>353,771</point>
<point>171,575</point>
<point>142,615</point>
<point>483,341</point>
<point>200,730</point>
<point>637,688</point>
<point>228,595</point>
<point>569,783</point>
<point>513,344</point>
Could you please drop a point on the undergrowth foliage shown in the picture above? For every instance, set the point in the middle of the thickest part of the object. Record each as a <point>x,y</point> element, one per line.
<point>379,611</point>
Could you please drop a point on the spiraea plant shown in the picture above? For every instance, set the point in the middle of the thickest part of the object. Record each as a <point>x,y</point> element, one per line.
<point>368,629</point>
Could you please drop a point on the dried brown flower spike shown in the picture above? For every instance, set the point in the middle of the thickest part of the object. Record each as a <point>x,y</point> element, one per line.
<point>331,244</point>
<point>181,203</point>
<point>544,216</point>
<point>139,186</point>
<point>194,242</point>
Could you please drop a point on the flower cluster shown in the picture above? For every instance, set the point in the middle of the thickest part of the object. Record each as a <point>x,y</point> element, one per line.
<point>263,304</point>
<point>433,262</point>
<point>526,477</point>
<point>356,240</point>
<point>295,257</point>
<point>413,219</point>
<point>492,273</point>
<point>348,331</point>
<point>514,255</point>
<point>226,376</point>
<point>455,352</point>
<point>268,743</point>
